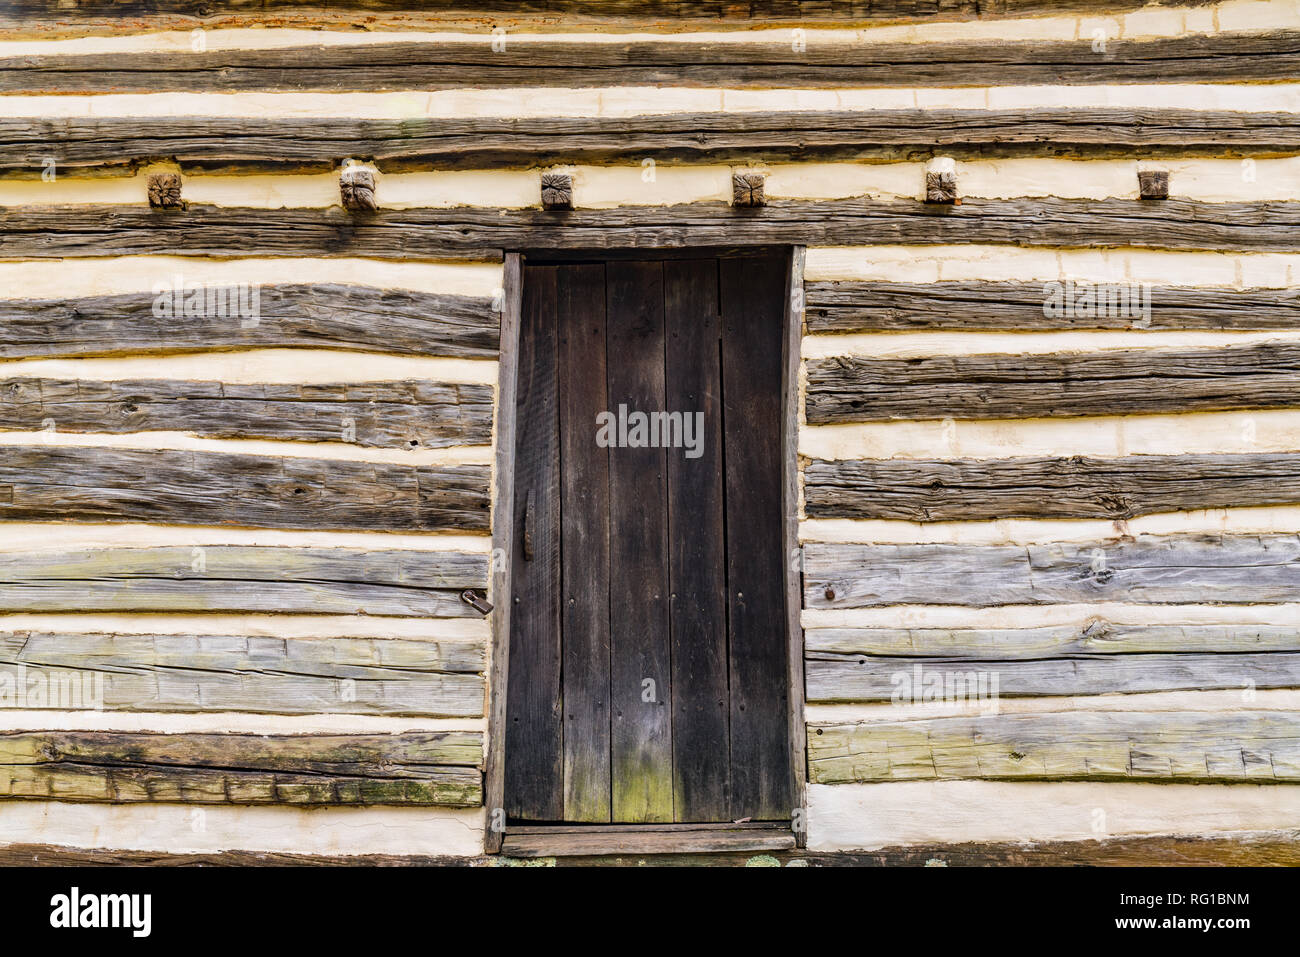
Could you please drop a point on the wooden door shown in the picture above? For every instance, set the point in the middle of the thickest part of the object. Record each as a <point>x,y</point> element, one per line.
<point>648,645</point>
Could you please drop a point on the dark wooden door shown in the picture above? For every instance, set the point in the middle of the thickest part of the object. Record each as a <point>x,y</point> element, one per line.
<point>648,665</point>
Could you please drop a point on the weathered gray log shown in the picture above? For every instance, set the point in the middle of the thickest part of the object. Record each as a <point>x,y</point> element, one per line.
<point>238,673</point>
<point>481,233</point>
<point>92,484</point>
<point>842,678</point>
<point>1096,636</point>
<point>664,61</point>
<point>174,14</point>
<point>1107,382</point>
<point>1149,569</point>
<point>935,490</point>
<point>898,306</point>
<point>1278,848</point>
<point>744,136</point>
<point>408,414</point>
<point>321,315</point>
<point>224,578</point>
<point>1262,747</point>
<point>414,768</point>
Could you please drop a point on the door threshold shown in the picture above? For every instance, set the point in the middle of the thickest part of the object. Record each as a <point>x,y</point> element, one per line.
<point>570,840</point>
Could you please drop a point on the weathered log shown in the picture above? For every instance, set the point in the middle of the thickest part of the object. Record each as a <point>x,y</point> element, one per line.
<point>93,484</point>
<point>1261,747</point>
<point>900,306</point>
<point>320,315</point>
<point>224,578</point>
<point>414,768</point>
<point>664,61</point>
<point>409,414</point>
<point>481,233</point>
<point>745,136</point>
<point>1171,569</point>
<point>1106,382</point>
<point>835,677</point>
<point>175,14</point>
<point>166,673</point>
<point>1097,636</point>
<point>935,490</point>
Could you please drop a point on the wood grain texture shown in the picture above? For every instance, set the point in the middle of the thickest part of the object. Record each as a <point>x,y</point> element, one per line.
<point>1260,747</point>
<point>904,306</point>
<point>697,546</point>
<point>409,414</point>
<point>665,61</point>
<point>189,673</point>
<point>641,689</point>
<point>923,490</point>
<point>131,767</point>
<point>534,765</point>
<point>224,578</point>
<point>311,315</point>
<point>157,14</point>
<point>479,233</point>
<point>469,233</point>
<point>47,483</point>
<point>503,551</point>
<point>647,841</point>
<point>1149,569</point>
<point>742,136</point>
<point>847,678</point>
<point>1104,382</point>
<point>1248,849</point>
<point>585,550</point>
<point>754,301</point>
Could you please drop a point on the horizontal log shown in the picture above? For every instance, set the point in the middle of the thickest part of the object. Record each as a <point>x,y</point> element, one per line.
<point>127,767</point>
<point>664,61</point>
<point>846,678</point>
<point>1106,382</point>
<point>1148,569</point>
<point>186,673</point>
<point>481,233</point>
<point>409,414</point>
<point>319,315</point>
<point>1260,747</point>
<point>154,14</point>
<point>1250,849</point>
<point>1096,636</point>
<point>26,143</point>
<point>925,490</point>
<point>904,306</point>
<point>91,484</point>
<point>228,578</point>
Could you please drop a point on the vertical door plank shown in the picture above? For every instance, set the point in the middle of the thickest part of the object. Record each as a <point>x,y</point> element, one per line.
<point>696,552</point>
<point>585,532</point>
<point>641,712</point>
<point>753,307</point>
<point>533,730</point>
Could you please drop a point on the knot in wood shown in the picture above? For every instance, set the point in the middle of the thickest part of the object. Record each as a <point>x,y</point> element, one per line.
<point>748,189</point>
<point>941,187</point>
<point>165,191</point>
<point>557,191</point>
<point>1153,184</point>
<point>357,188</point>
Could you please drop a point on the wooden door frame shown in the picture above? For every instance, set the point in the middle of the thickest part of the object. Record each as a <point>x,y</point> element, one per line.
<point>503,510</point>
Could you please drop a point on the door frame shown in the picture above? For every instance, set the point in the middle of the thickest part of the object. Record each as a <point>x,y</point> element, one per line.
<point>503,508</point>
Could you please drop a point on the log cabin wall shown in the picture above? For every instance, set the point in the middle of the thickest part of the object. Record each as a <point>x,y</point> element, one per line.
<point>247,464</point>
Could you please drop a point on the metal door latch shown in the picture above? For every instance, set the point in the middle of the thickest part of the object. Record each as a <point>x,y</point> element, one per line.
<point>478,602</point>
